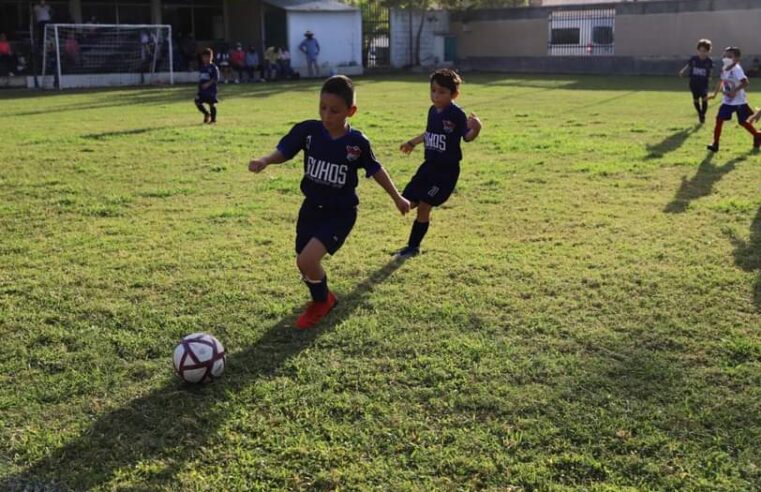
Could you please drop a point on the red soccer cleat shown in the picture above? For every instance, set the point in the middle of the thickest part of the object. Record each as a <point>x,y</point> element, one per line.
<point>315,311</point>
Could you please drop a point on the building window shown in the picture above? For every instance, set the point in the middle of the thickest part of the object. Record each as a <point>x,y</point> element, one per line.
<point>602,35</point>
<point>566,35</point>
<point>116,12</point>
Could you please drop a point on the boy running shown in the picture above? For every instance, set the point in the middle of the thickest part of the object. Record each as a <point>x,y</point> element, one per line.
<point>699,68</point>
<point>207,87</point>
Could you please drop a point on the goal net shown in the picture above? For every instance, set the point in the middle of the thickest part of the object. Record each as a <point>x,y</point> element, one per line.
<point>98,55</point>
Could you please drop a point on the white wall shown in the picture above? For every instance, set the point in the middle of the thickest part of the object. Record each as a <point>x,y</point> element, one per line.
<point>339,35</point>
<point>436,24</point>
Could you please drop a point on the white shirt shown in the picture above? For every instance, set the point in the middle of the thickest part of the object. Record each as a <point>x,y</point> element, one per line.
<point>42,13</point>
<point>732,79</point>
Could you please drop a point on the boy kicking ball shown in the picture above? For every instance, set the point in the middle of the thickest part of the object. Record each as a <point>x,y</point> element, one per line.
<point>334,153</point>
<point>733,84</point>
<point>437,176</point>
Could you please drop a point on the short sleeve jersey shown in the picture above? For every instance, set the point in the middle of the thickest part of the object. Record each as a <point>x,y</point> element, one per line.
<point>732,79</point>
<point>331,166</point>
<point>443,133</point>
<point>700,70</point>
<point>207,73</point>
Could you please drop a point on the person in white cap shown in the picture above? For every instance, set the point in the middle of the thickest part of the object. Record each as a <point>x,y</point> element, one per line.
<point>311,48</point>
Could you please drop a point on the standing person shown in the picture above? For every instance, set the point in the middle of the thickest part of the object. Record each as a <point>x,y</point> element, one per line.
<point>238,62</point>
<point>334,154</point>
<point>699,68</point>
<point>270,62</point>
<point>207,87</point>
<point>437,176</point>
<point>311,48</point>
<point>252,63</point>
<point>733,84</point>
<point>284,62</point>
<point>42,15</point>
<point>7,60</point>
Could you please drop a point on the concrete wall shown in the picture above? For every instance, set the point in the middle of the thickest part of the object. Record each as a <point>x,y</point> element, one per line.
<point>339,35</point>
<point>435,25</point>
<point>650,36</point>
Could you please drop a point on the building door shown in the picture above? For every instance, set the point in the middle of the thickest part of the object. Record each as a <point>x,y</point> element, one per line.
<point>375,35</point>
<point>275,27</point>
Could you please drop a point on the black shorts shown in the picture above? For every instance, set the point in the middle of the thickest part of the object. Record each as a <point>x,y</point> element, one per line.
<point>699,88</point>
<point>330,226</point>
<point>204,99</point>
<point>431,186</point>
<point>726,111</point>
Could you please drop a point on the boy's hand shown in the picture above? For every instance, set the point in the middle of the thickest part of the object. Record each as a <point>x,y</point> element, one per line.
<point>402,204</point>
<point>731,94</point>
<point>257,165</point>
<point>474,123</point>
<point>712,96</point>
<point>407,147</point>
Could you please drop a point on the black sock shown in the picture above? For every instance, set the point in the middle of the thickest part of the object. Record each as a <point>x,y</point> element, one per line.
<point>696,103</point>
<point>418,233</point>
<point>202,109</point>
<point>213,112</point>
<point>704,107</point>
<point>319,290</point>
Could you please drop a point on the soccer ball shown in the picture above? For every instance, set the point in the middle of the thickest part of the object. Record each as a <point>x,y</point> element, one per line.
<point>199,358</point>
<point>728,86</point>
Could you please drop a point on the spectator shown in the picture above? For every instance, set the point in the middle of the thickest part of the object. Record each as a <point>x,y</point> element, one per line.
<point>252,63</point>
<point>311,48</point>
<point>270,60</point>
<point>238,61</point>
<point>7,60</point>
<point>284,61</point>
<point>71,50</point>
<point>223,62</point>
<point>42,15</point>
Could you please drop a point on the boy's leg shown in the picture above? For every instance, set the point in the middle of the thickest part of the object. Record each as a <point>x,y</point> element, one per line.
<point>420,226</point>
<point>725,113</point>
<point>213,112</point>
<point>704,106</point>
<point>696,103</point>
<point>309,262</point>
<point>202,109</point>
<point>743,113</point>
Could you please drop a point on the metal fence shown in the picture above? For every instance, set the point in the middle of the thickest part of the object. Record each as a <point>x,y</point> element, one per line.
<point>376,28</point>
<point>581,32</point>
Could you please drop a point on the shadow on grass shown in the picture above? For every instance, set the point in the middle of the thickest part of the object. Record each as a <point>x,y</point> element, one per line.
<point>701,184</point>
<point>134,131</point>
<point>670,143</point>
<point>109,98</point>
<point>748,255</point>
<point>174,420</point>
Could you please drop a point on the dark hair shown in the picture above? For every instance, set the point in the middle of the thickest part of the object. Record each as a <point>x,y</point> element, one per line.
<point>208,52</point>
<point>734,50</point>
<point>341,86</point>
<point>448,78</point>
<point>705,43</point>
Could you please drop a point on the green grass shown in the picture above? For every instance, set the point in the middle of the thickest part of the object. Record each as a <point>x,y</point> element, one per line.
<point>585,315</point>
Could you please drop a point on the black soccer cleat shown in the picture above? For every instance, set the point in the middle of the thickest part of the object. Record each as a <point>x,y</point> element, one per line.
<point>407,252</point>
<point>713,147</point>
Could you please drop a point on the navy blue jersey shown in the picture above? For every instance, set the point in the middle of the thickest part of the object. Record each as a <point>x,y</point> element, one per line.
<point>330,166</point>
<point>443,133</point>
<point>700,69</point>
<point>207,73</point>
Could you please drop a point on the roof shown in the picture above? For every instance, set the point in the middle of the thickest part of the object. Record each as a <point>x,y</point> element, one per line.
<point>311,5</point>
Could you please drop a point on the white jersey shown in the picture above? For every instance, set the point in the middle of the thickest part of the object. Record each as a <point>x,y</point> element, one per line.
<point>731,79</point>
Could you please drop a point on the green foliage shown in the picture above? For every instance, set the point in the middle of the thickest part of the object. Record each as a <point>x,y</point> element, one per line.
<point>584,316</point>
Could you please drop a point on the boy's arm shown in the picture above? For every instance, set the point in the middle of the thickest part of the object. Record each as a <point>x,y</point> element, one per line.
<point>410,144</point>
<point>258,165</point>
<point>383,179</point>
<point>716,90</point>
<point>474,128</point>
<point>744,83</point>
<point>683,70</point>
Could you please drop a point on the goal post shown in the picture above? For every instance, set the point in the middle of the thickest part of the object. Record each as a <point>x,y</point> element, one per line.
<point>100,55</point>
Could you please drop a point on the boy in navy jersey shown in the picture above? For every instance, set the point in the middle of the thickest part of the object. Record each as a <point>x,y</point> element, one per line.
<point>334,153</point>
<point>437,176</point>
<point>699,68</point>
<point>207,87</point>
<point>733,84</point>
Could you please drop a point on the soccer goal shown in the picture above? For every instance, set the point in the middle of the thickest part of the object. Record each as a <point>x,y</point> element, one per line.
<point>100,55</point>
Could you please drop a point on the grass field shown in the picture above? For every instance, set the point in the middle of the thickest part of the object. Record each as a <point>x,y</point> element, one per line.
<point>586,314</point>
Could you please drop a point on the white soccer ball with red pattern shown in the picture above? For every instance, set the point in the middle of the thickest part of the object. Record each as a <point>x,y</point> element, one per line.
<point>199,358</point>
